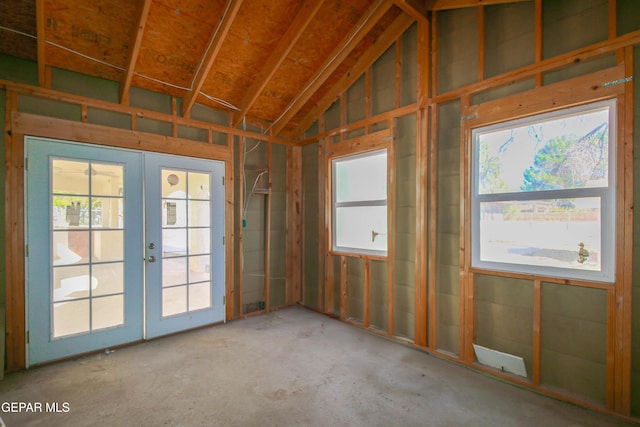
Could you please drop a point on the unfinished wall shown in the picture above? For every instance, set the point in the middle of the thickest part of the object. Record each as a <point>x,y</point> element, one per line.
<point>457,48</point>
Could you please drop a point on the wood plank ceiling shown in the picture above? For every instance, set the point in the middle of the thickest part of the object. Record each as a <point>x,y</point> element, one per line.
<point>267,61</point>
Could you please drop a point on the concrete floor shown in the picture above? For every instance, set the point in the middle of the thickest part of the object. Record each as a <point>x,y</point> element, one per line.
<point>288,368</point>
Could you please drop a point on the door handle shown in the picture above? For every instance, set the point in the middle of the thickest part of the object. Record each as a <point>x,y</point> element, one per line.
<point>151,259</point>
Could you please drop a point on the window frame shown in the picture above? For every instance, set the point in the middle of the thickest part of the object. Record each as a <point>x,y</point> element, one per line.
<point>332,234</point>
<point>607,195</point>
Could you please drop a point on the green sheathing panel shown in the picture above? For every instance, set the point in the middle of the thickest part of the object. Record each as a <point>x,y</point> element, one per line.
<point>409,76</point>
<point>448,229</point>
<point>635,327</point>
<point>502,91</point>
<point>84,85</point>
<point>206,114</point>
<point>504,316</point>
<point>355,289</point>
<point>579,69</point>
<point>458,48</point>
<point>108,118</point>
<point>154,126</point>
<point>379,301</point>
<point>574,340</point>
<point>332,117</point>
<point>383,82</point>
<point>628,16</point>
<point>253,235</point>
<point>48,107</point>
<point>278,212</point>
<point>405,230</point>
<point>356,96</point>
<point>310,188</point>
<point>18,70</point>
<point>143,98</point>
<point>509,37</point>
<point>571,24</point>
<point>192,133</point>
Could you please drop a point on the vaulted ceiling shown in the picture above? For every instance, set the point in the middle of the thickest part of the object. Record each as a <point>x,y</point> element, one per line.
<point>271,62</point>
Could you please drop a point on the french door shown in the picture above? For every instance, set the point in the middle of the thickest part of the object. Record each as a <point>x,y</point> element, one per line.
<point>121,246</point>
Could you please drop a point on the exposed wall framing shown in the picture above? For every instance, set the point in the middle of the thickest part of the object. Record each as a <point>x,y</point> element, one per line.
<point>451,299</point>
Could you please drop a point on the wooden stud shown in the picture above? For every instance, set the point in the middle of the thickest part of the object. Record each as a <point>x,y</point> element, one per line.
<point>293,227</point>
<point>435,54</point>
<point>422,182</point>
<point>613,19</point>
<point>537,322</point>
<point>467,321</point>
<point>267,230</point>
<point>432,266</point>
<point>230,235</point>
<point>539,48</point>
<point>481,50</point>
<point>398,74</point>
<point>624,287</point>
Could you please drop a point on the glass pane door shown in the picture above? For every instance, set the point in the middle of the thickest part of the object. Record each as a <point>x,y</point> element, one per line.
<point>185,252</point>
<point>81,263</point>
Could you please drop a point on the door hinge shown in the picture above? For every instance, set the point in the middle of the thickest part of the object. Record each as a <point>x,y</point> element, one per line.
<point>224,299</point>
<point>223,180</point>
<point>26,249</point>
<point>224,240</point>
<point>26,163</point>
<point>28,337</point>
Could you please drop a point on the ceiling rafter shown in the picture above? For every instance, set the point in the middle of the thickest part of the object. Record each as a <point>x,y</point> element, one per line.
<point>386,39</point>
<point>417,10</point>
<point>41,42</point>
<point>134,50</point>
<point>457,4</point>
<point>217,39</point>
<point>286,43</point>
<point>364,25</point>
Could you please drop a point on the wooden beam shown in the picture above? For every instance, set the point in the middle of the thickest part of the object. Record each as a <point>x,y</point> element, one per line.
<point>459,4</point>
<point>362,28</point>
<point>287,41</point>
<point>390,35</point>
<point>415,9</point>
<point>41,41</point>
<point>211,54</point>
<point>293,227</point>
<point>134,50</point>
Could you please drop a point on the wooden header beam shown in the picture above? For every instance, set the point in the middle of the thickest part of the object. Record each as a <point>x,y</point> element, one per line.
<point>210,55</point>
<point>365,24</point>
<point>125,84</point>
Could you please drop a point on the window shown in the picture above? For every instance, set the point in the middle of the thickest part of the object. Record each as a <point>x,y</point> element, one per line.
<point>360,203</point>
<point>543,197</point>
